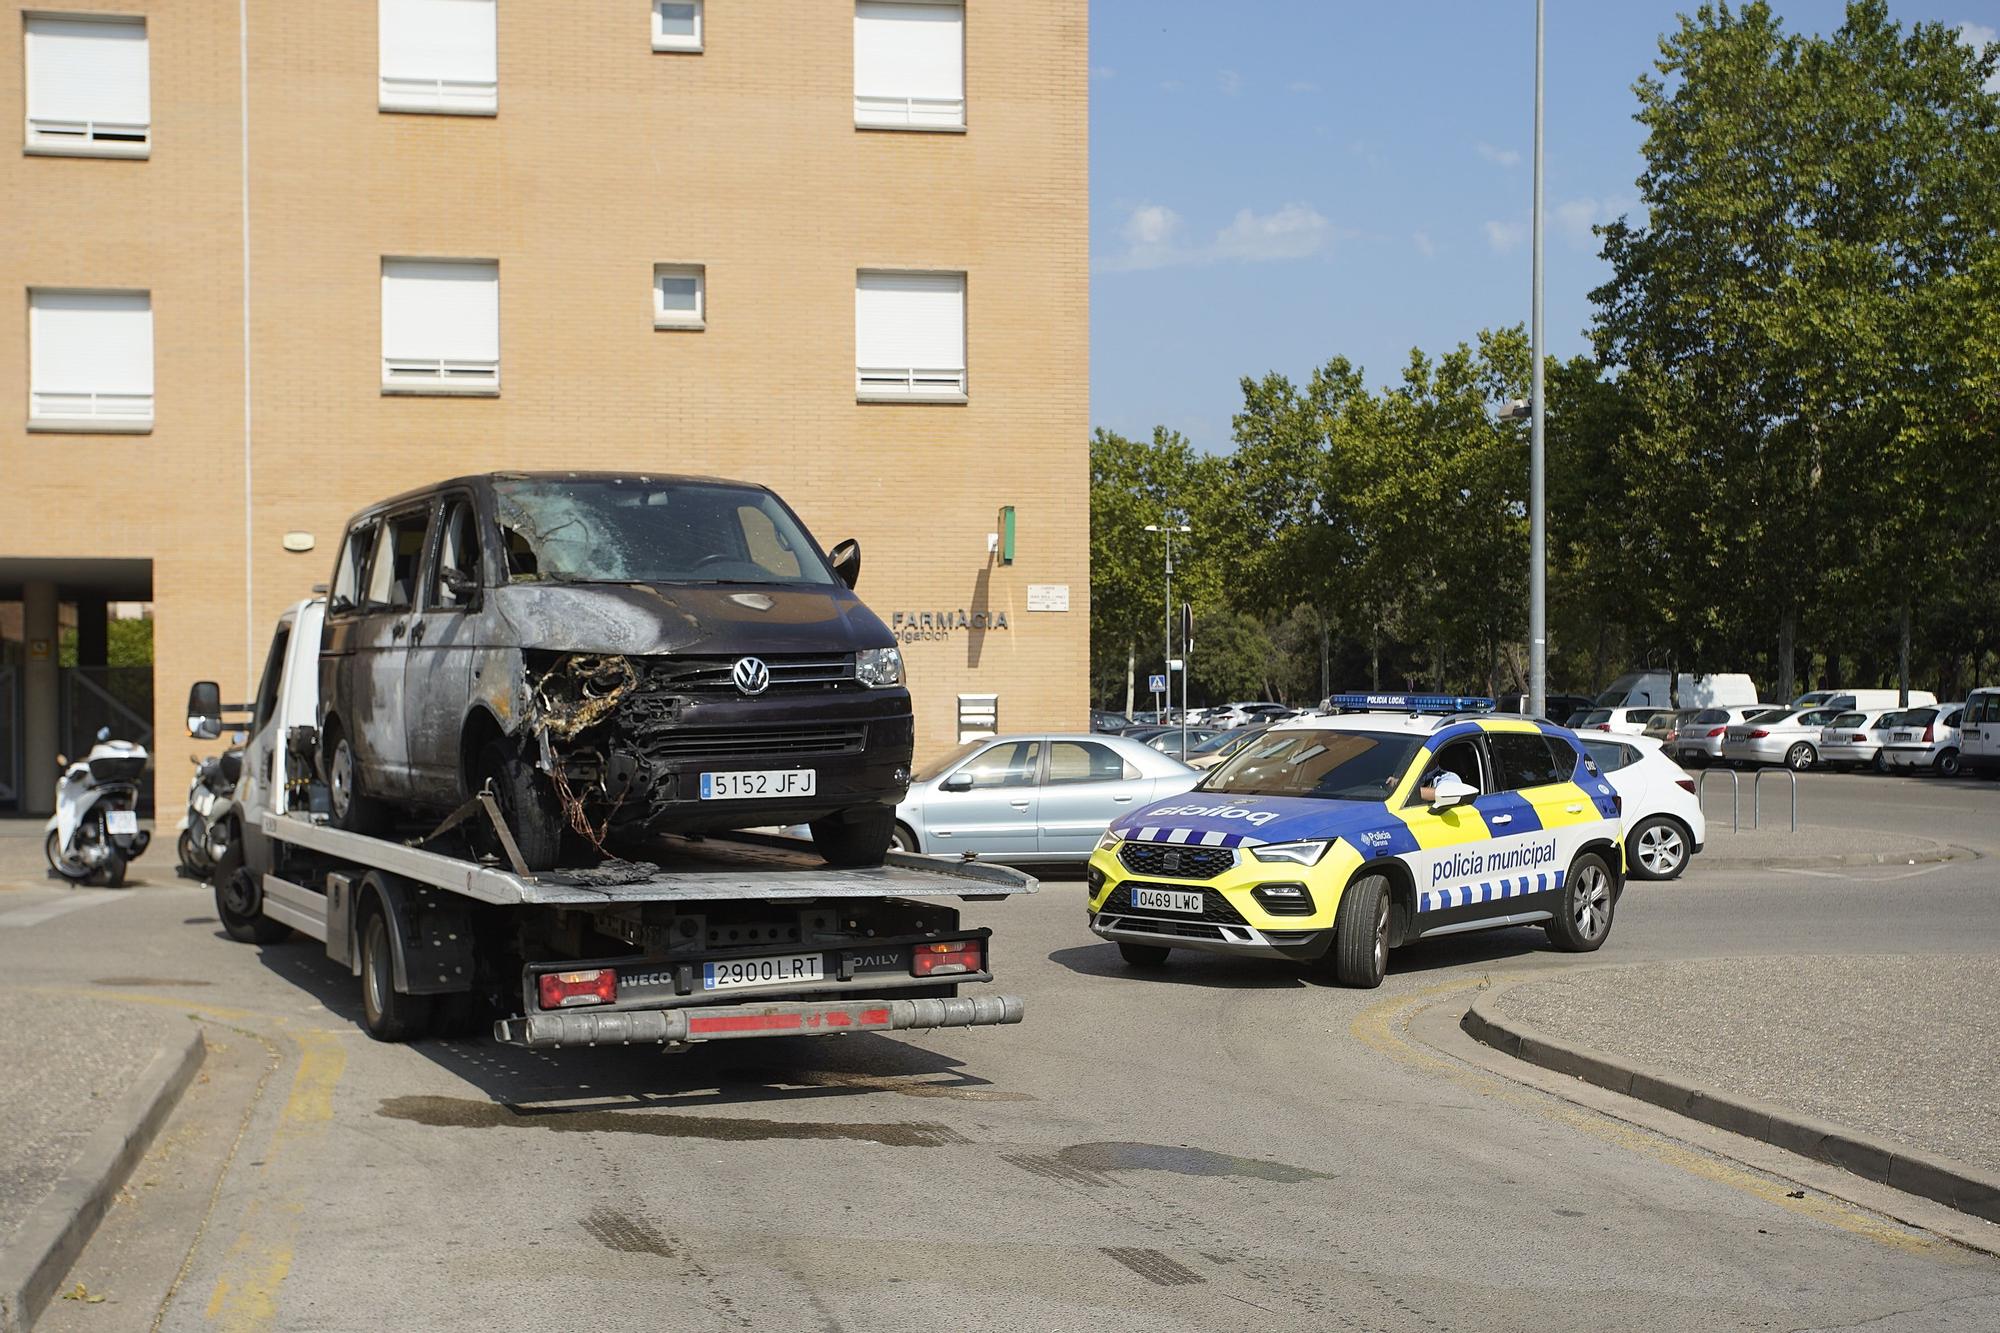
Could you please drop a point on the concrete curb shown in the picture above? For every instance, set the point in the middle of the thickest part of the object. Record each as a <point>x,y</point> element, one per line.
<point>1935,854</point>
<point>1886,1163</point>
<point>56,1230</point>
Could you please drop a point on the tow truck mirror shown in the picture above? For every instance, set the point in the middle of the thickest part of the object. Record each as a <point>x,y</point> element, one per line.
<point>956,782</point>
<point>204,710</point>
<point>1450,792</point>
<point>846,561</point>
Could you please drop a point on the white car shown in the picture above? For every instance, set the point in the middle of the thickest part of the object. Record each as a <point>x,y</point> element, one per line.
<point>1615,721</point>
<point>1662,818</point>
<point>1920,739</point>
<point>1787,736</point>
<point>1699,739</point>
<point>1247,714</point>
<point>1849,700</point>
<point>1979,733</point>
<point>1855,739</point>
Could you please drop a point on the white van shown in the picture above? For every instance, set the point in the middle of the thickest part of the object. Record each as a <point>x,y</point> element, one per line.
<point>1867,701</point>
<point>1648,689</point>
<point>1979,733</point>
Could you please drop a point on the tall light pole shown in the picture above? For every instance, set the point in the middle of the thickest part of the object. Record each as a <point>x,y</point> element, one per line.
<point>1167,664</point>
<point>1538,605</point>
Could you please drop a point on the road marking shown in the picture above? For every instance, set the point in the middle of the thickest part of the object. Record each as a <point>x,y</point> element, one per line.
<point>1380,1028</point>
<point>22,917</point>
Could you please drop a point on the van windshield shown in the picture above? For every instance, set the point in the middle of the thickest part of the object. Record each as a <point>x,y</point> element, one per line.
<point>635,530</point>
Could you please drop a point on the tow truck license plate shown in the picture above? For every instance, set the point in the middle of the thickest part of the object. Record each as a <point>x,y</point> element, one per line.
<point>754,783</point>
<point>121,821</point>
<point>763,971</point>
<point>1167,900</point>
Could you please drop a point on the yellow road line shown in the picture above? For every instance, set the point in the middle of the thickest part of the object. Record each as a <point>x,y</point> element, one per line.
<point>1381,1027</point>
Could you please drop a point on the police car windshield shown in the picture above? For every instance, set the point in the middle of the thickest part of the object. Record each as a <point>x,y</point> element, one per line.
<point>1326,765</point>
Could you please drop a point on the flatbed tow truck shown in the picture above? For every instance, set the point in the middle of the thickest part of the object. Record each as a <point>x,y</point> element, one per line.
<point>724,937</point>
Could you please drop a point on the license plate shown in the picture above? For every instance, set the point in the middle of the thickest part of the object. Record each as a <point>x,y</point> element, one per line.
<point>791,967</point>
<point>1902,735</point>
<point>121,821</point>
<point>760,783</point>
<point>1167,900</point>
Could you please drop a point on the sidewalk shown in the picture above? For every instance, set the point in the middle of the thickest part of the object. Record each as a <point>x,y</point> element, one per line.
<point>1774,844</point>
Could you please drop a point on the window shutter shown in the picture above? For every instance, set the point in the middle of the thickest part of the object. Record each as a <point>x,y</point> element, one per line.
<point>909,333</point>
<point>441,320</point>
<point>88,70</point>
<point>91,354</point>
<point>909,63</point>
<point>439,53</point>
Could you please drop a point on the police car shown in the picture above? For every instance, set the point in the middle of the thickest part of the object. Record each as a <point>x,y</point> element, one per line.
<point>1334,839</point>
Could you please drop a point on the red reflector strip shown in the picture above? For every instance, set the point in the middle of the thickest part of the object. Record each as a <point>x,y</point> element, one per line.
<point>747,1023</point>
<point>786,1020</point>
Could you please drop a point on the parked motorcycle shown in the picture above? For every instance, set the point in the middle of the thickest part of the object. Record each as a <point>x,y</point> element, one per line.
<point>204,825</point>
<point>94,833</point>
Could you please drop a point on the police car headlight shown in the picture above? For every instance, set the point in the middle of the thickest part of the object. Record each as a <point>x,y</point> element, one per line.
<point>1302,853</point>
<point>879,666</point>
<point>1112,837</point>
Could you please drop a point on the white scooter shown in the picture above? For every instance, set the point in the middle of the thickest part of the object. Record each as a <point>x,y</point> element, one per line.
<point>94,832</point>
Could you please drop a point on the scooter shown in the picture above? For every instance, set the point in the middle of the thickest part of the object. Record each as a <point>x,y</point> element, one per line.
<point>204,827</point>
<point>94,833</point>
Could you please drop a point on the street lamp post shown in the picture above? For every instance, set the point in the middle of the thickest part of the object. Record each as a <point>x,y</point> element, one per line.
<point>1168,663</point>
<point>1538,608</point>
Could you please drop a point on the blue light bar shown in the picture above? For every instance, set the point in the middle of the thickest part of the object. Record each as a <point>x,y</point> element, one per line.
<point>1409,703</point>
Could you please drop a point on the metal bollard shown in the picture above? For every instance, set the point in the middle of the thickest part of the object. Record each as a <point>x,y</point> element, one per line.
<point>1735,791</point>
<point>1791,777</point>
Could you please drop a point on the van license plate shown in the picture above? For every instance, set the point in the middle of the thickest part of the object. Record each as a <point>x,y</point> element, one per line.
<point>1167,900</point>
<point>757,784</point>
<point>793,967</point>
<point>118,822</point>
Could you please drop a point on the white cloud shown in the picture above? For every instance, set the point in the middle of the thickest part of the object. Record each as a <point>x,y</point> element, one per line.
<point>1301,86</point>
<point>1425,245</point>
<point>1977,36</point>
<point>1153,239</point>
<point>1505,236</point>
<point>1103,72</point>
<point>1293,232</point>
<point>1575,217</point>
<point>1229,81</point>
<point>1155,236</point>
<point>1171,85</point>
<point>1506,157</point>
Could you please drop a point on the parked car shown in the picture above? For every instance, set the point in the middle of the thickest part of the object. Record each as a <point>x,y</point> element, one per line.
<point>1979,733</point>
<point>1923,739</point>
<point>1033,798</point>
<point>1788,736</point>
<point>1665,726</point>
<point>1662,816</point>
<point>1247,714</point>
<point>1619,721</point>
<point>1109,723</point>
<point>629,654</point>
<point>1848,700</point>
<point>1172,740</point>
<point>1854,740</point>
<point>1699,739</point>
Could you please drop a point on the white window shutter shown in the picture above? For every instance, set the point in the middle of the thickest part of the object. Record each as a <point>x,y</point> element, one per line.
<point>909,334</point>
<point>441,322</point>
<point>88,73</point>
<point>909,64</point>
<point>439,54</point>
<point>90,355</point>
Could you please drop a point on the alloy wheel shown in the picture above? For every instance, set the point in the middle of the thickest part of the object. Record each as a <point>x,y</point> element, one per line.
<point>1660,849</point>
<point>1590,902</point>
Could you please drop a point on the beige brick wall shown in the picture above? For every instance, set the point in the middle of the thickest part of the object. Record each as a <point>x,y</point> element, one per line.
<point>604,159</point>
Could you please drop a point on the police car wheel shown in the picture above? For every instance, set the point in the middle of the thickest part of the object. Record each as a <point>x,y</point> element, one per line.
<point>1143,955</point>
<point>1583,915</point>
<point>1361,933</point>
<point>1659,849</point>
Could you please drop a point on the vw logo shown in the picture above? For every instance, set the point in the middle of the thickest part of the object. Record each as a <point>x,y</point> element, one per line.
<point>751,675</point>
<point>1171,862</point>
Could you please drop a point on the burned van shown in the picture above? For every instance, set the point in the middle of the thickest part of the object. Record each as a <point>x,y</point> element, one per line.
<point>614,655</point>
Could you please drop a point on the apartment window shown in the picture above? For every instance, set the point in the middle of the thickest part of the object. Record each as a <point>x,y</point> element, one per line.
<point>90,360</point>
<point>909,65</point>
<point>440,326</point>
<point>439,56</point>
<point>909,336</point>
<point>677,25</point>
<point>680,296</point>
<point>88,90</point>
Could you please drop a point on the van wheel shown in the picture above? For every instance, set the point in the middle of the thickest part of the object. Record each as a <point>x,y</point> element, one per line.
<point>349,807</point>
<point>1801,757</point>
<point>855,838</point>
<point>1143,955</point>
<point>1583,910</point>
<point>527,804</point>
<point>1947,764</point>
<point>1361,933</point>
<point>387,1013</point>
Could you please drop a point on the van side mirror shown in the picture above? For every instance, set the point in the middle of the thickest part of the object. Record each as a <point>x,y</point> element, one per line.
<point>956,782</point>
<point>204,711</point>
<point>1451,791</point>
<point>461,585</point>
<point>846,561</point>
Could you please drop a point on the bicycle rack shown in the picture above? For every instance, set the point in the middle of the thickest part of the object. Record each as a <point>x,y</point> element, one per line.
<point>1735,791</point>
<point>1790,777</point>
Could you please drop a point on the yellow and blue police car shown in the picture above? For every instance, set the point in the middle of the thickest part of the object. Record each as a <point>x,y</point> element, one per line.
<point>1333,839</point>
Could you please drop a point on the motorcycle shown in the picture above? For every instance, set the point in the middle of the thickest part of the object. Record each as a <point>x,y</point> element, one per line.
<point>204,825</point>
<point>94,833</point>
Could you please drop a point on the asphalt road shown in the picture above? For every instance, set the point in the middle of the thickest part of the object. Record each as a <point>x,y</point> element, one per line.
<point>1219,1144</point>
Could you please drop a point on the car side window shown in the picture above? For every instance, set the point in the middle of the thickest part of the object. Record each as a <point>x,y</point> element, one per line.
<point>1083,761</point>
<point>1523,761</point>
<point>458,551</point>
<point>1951,719</point>
<point>1610,755</point>
<point>352,569</point>
<point>1460,757</point>
<point>399,550</point>
<point>1009,764</point>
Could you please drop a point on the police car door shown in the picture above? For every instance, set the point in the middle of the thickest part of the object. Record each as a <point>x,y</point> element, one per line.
<point>1450,843</point>
<point>1538,816</point>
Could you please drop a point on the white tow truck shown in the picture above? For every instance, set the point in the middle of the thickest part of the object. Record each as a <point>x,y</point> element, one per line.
<point>723,937</point>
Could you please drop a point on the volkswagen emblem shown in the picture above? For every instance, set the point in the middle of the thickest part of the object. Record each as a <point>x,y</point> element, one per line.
<point>751,675</point>
<point>1171,862</point>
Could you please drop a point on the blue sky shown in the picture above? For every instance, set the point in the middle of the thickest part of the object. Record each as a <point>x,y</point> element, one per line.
<point>1275,182</point>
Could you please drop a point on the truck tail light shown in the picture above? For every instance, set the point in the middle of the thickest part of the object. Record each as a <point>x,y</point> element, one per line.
<point>1713,732</point>
<point>566,990</point>
<point>948,956</point>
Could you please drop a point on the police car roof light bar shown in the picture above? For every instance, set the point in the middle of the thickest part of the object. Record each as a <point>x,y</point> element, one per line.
<point>1409,703</point>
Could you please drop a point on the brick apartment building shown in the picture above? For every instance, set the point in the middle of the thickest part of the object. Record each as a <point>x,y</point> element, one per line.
<point>273,261</point>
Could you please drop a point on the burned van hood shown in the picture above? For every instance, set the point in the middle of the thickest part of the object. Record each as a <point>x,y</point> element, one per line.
<point>645,619</point>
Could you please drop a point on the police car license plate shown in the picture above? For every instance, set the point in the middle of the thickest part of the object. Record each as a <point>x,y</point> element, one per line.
<point>1167,900</point>
<point>121,821</point>
<point>763,971</point>
<point>752,784</point>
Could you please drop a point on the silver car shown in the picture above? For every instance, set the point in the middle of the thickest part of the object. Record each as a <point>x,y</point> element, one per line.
<point>1033,798</point>
<point>1788,736</point>
<point>1699,739</point>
